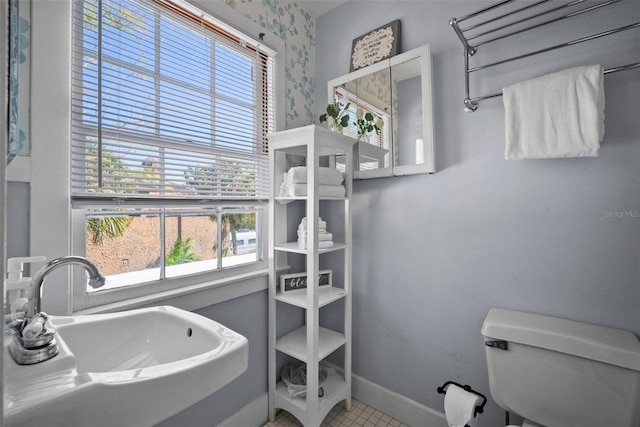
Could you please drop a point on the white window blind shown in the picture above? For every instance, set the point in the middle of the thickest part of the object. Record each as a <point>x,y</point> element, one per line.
<point>166,105</point>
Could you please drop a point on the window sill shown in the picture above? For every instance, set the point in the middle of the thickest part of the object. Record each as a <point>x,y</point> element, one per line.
<point>149,275</point>
<point>194,297</point>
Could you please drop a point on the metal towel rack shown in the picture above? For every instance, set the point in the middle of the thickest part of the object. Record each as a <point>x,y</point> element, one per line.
<point>517,18</point>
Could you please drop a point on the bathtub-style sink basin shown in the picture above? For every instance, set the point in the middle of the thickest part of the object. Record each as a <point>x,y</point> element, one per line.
<point>134,368</point>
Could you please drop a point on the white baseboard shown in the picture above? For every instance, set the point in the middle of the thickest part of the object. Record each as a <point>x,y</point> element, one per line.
<point>255,414</point>
<point>397,406</point>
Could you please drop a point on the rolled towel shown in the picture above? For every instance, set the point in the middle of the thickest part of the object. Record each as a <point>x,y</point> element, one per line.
<point>557,115</point>
<point>326,176</point>
<point>322,235</point>
<point>284,186</point>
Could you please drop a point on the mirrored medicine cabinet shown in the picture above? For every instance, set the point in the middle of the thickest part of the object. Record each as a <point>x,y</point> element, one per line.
<point>398,94</point>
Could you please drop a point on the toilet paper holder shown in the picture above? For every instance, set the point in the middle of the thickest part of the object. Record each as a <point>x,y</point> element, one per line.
<point>479,408</point>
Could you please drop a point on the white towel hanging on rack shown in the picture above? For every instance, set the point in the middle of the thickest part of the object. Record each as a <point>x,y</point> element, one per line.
<point>557,115</point>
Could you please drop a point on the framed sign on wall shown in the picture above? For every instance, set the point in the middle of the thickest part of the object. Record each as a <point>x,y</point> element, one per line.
<point>376,45</point>
<point>291,282</point>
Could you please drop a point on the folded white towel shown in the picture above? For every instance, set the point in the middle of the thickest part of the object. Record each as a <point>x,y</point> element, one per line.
<point>327,176</point>
<point>557,115</point>
<point>292,189</point>
<point>303,224</point>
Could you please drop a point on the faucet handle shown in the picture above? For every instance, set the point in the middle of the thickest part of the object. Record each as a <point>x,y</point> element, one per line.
<point>35,327</point>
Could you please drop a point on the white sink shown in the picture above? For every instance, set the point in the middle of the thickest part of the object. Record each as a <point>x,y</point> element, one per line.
<point>134,368</point>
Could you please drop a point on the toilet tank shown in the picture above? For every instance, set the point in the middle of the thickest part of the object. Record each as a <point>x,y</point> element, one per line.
<point>561,373</point>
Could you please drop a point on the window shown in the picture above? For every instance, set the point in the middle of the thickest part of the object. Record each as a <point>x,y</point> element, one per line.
<point>126,244</point>
<point>169,167</point>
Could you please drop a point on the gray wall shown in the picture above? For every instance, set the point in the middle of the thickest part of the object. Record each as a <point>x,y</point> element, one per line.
<point>432,253</point>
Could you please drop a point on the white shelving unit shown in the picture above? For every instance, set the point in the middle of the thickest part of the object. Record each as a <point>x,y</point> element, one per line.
<point>310,343</point>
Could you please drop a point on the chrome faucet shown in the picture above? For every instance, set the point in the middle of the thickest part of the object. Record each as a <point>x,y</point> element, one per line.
<point>96,280</point>
<point>33,342</point>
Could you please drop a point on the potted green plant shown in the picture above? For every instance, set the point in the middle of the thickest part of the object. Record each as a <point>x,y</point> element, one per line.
<point>366,123</point>
<point>337,116</point>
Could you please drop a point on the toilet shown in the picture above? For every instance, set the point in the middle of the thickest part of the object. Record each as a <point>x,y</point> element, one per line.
<point>560,373</point>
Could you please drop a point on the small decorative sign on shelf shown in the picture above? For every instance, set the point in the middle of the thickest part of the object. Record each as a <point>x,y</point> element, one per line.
<point>379,44</point>
<point>292,282</point>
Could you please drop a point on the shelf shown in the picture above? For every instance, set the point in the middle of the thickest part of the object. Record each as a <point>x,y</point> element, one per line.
<point>295,141</point>
<point>335,390</point>
<point>295,343</point>
<point>326,295</point>
<point>301,150</point>
<point>294,248</point>
<point>292,199</point>
<point>309,343</point>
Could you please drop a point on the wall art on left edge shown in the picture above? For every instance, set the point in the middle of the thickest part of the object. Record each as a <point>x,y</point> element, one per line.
<point>19,23</point>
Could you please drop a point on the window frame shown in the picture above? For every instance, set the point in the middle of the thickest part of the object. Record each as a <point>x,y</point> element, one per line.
<point>54,225</point>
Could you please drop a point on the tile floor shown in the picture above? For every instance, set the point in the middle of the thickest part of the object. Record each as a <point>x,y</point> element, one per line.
<point>360,415</point>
